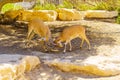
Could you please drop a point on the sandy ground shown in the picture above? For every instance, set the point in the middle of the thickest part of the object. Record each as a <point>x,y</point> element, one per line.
<point>12,41</point>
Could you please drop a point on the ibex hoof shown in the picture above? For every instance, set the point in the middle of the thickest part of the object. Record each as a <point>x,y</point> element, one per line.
<point>70,50</point>
<point>80,47</point>
<point>64,51</point>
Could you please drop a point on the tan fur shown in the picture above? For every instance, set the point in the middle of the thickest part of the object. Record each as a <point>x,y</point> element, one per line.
<point>37,26</point>
<point>71,33</point>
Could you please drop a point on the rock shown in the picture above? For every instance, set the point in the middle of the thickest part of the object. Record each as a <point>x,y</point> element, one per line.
<point>101,14</point>
<point>70,14</point>
<point>13,67</point>
<point>11,14</point>
<point>93,65</point>
<point>26,5</point>
<point>92,26</point>
<point>27,15</point>
<point>31,63</point>
<point>61,13</point>
<point>45,15</point>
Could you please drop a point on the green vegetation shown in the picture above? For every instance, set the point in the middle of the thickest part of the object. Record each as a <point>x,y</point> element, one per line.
<point>118,18</point>
<point>51,6</point>
<point>80,5</point>
<point>84,7</point>
<point>66,4</point>
<point>103,6</point>
<point>10,6</point>
<point>99,5</point>
<point>77,4</point>
<point>47,6</point>
<point>106,5</point>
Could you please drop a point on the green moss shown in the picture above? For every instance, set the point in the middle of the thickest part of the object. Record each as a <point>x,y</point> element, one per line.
<point>84,7</point>
<point>66,4</point>
<point>103,6</point>
<point>118,19</point>
<point>10,6</point>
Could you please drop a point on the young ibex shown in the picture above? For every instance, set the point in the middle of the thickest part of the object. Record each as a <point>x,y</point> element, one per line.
<point>37,26</point>
<point>70,33</point>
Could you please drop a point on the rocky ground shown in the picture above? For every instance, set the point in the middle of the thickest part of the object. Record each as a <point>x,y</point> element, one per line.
<point>104,39</point>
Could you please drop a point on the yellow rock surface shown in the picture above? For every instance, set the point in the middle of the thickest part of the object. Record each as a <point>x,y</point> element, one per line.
<point>13,67</point>
<point>45,15</point>
<point>27,15</point>
<point>90,69</point>
<point>93,65</point>
<point>61,13</point>
<point>31,62</point>
<point>70,14</point>
<point>13,13</point>
<point>7,72</point>
<point>101,14</point>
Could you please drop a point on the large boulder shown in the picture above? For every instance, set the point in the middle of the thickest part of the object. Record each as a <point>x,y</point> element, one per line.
<point>13,13</point>
<point>70,14</point>
<point>13,67</point>
<point>93,65</point>
<point>45,15</point>
<point>27,15</point>
<point>101,14</point>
